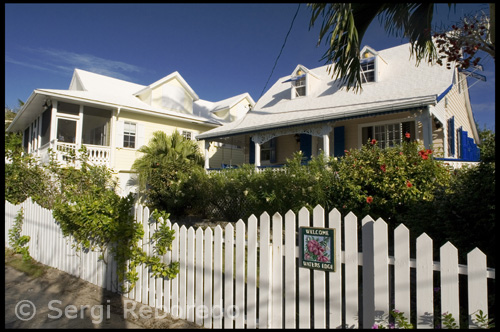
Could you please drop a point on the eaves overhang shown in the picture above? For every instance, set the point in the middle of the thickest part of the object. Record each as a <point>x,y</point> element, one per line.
<point>41,95</point>
<point>334,116</point>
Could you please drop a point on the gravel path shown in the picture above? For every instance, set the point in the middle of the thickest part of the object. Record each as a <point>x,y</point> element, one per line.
<point>64,301</point>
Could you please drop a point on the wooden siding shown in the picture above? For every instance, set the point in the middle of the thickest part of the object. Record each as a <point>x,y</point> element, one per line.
<point>124,157</point>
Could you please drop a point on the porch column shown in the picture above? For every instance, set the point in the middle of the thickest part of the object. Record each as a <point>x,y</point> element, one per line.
<point>207,154</point>
<point>326,145</point>
<point>112,138</point>
<point>53,122</point>
<point>257,155</point>
<point>79,125</point>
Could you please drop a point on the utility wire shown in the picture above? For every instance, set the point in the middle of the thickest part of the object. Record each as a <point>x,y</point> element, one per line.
<point>276,62</point>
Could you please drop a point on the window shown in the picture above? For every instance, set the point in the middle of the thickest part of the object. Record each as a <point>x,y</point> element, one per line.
<point>129,134</point>
<point>300,86</point>
<point>66,130</point>
<point>389,135</point>
<point>95,126</point>
<point>26,138</point>
<point>451,136</point>
<point>459,143</point>
<point>186,134</point>
<point>66,108</point>
<point>46,118</point>
<point>268,151</point>
<point>368,70</point>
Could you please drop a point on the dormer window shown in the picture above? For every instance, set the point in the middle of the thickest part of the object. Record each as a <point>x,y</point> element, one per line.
<point>300,86</point>
<point>372,65</point>
<point>368,70</point>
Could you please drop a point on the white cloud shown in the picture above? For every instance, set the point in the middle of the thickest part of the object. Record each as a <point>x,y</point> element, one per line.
<point>54,60</point>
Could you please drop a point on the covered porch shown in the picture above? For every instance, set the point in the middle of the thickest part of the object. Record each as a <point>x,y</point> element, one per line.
<point>271,148</point>
<point>63,127</point>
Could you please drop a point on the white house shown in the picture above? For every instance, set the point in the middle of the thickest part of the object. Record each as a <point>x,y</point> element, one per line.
<point>309,111</point>
<point>113,118</point>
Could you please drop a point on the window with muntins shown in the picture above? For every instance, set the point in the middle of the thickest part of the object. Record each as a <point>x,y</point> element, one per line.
<point>186,134</point>
<point>300,87</point>
<point>368,70</point>
<point>129,135</point>
<point>389,135</point>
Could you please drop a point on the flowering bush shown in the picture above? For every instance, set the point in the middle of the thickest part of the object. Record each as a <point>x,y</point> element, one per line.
<point>370,180</point>
<point>384,182</point>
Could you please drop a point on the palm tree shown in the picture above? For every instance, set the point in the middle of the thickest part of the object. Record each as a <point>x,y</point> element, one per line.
<point>346,24</point>
<point>165,151</point>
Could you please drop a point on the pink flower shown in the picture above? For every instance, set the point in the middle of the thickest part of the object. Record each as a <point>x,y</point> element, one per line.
<point>369,199</point>
<point>323,259</point>
<point>408,184</point>
<point>374,141</point>
<point>315,248</point>
<point>407,135</point>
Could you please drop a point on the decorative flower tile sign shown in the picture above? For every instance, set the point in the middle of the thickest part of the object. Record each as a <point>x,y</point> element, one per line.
<point>316,248</point>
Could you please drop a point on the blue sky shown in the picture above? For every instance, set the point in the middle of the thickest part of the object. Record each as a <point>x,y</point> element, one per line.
<point>221,50</point>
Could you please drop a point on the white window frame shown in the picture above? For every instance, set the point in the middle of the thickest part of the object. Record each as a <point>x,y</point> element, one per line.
<point>265,152</point>
<point>187,135</point>
<point>129,133</point>
<point>300,84</point>
<point>367,62</point>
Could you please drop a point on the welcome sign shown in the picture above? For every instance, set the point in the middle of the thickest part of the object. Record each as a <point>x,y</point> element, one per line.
<point>316,248</point>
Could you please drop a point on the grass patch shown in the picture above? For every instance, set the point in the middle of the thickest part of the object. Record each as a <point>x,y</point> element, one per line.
<point>30,267</point>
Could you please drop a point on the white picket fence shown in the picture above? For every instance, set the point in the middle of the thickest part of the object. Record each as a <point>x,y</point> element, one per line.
<point>246,275</point>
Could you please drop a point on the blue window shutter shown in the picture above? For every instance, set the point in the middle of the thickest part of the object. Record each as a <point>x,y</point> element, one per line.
<point>306,146</point>
<point>451,136</point>
<point>252,152</point>
<point>338,141</point>
<point>466,148</point>
<point>273,150</point>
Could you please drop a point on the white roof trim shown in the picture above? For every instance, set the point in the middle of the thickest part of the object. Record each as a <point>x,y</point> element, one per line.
<point>176,116</point>
<point>306,70</point>
<point>366,110</point>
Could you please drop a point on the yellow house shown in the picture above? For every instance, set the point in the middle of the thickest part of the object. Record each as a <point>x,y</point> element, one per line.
<point>309,111</point>
<point>113,118</point>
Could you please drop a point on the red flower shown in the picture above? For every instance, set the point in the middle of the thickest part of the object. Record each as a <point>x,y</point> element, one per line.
<point>374,141</point>
<point>382,167</point>
<point>407,135</point>
<point>369,199</point>
<point>408,184</point>
<point>424,154</point>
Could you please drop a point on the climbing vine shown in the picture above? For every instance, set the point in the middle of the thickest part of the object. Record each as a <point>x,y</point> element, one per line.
<point>16,241</point>
<point>84,202</point>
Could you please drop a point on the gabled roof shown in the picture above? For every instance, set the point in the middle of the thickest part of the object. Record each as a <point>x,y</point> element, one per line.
<point>167,78</point>
<point>230,102</point>
<point>304,69</point>
<point>91,88</point>
<point>207,108</point>
<point>89,81</point>
<point>404,86</point>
